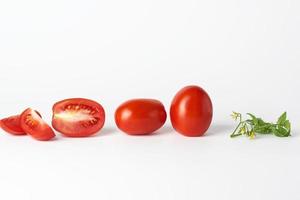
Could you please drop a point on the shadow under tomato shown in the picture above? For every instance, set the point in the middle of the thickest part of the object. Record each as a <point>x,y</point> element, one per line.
<point>162,131</point>
<point>54,139</point>
<point>165,130</point>
<point>106,131</point>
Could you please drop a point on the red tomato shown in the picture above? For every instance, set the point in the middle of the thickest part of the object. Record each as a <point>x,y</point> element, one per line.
<point>140,116</point>
<point>78,117</point>
<point>191,111</point>
<point>12,125</point>
<point>34,125</point>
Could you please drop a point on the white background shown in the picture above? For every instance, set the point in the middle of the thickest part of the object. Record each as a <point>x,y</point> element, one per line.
<point>246,54</point>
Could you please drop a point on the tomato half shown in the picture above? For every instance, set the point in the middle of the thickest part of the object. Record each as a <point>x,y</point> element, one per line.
<point>78,117</point>
<point>12,125</point>
<point>191,111</point>
<point>140,116</point>
<point>35,126</point>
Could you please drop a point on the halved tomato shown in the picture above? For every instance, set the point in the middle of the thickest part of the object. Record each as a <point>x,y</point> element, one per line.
<point>34,125</point>
<point>12,125</point>
<point>78,117</point>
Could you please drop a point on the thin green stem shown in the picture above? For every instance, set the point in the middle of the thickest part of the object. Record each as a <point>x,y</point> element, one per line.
<point>233,134</point>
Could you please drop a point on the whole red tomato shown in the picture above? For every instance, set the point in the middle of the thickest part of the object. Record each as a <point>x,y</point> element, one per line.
<point>140,116</point>
<point>78,117</point>
<point>191,111</point>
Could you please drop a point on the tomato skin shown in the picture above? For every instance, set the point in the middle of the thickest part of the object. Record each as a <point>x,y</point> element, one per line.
<point>34,125</point>
<point>191,111</point>
<point>78,117</point>
<point>12,125</point>
<point>140,116</point>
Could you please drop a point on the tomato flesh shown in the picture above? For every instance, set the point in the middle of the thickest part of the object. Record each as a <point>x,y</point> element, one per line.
<point>35,126</point>
<point>191,111</point>
<point>140,116</point>
<point>12,125</point>
<point>78,117</point>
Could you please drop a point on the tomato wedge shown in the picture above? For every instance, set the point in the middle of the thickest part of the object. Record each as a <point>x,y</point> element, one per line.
<point>78,117</point>
<point>34,125</point>
<point>12,125</point>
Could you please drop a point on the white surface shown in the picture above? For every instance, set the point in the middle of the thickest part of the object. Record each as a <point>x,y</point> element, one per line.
<point>244,53</point>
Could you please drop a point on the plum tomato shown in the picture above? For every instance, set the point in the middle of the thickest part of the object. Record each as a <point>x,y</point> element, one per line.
<point>140,116</point>
<point>35,126</point>
<point>78,117</point>
<point>12,125</point>
<point>191,111</point>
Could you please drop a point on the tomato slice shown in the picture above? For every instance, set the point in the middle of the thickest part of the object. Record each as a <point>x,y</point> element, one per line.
<point>78,117</point>
<point>12,125</point>
<point>34,125</point>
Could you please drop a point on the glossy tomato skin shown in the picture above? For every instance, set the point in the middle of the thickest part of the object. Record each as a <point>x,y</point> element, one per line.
<point>35,126</point>
<point>78,117</point>
<point>191,111</point>
<point>12,125</point>
<point>140,116</point>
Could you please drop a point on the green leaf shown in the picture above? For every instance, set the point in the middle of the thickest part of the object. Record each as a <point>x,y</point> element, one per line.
<point>260,122</point>
<point>281,131</point>
<point>281,120</point>
<point>254,119</point>
<point>287,124</point>
<point>263,129</point>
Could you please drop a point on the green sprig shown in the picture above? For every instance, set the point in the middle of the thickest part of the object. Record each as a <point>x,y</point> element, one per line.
<point>254,125</point>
